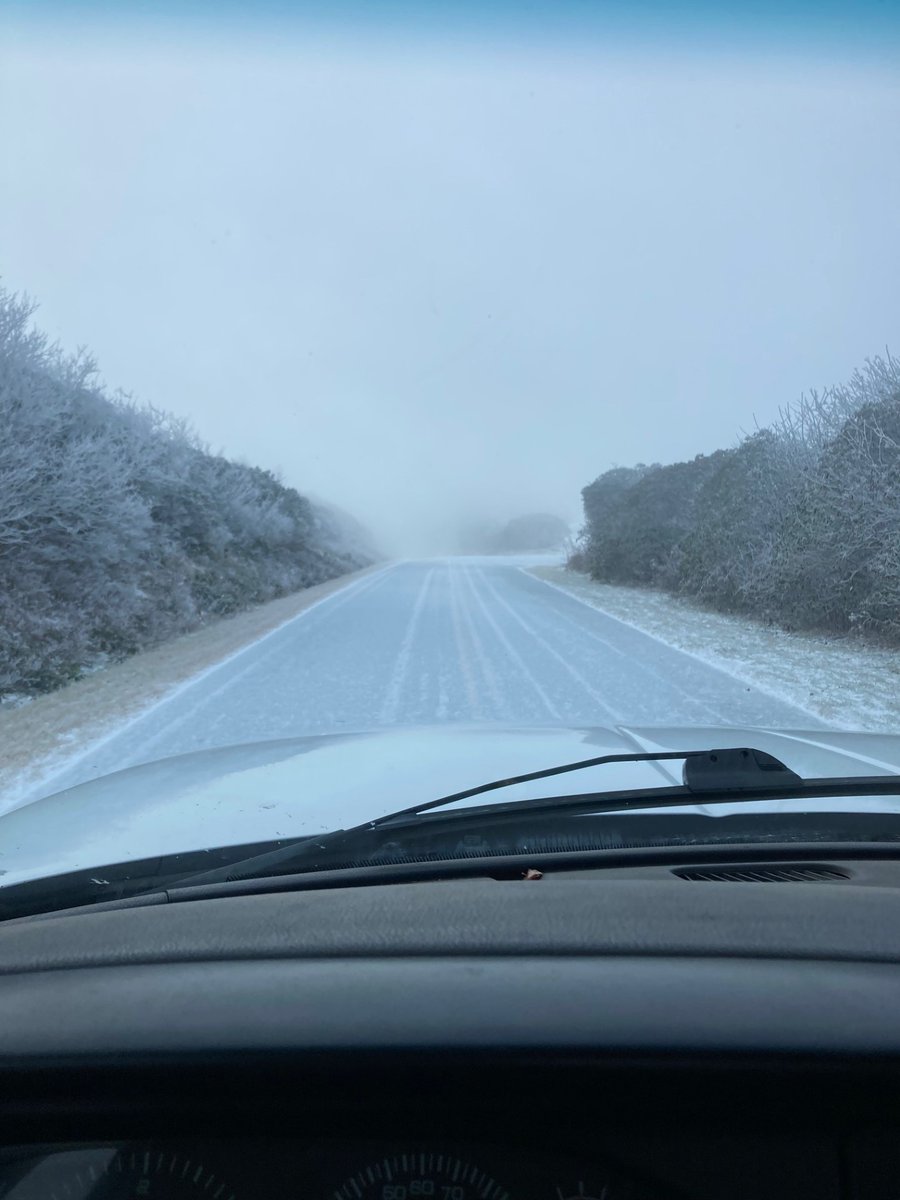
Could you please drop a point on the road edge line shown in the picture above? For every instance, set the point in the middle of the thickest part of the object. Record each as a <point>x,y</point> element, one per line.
<point>713,665</point>
<point>43,780</point>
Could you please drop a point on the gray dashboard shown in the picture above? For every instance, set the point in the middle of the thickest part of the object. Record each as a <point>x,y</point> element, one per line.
<point>605,1038</point>
<point>578,963</point>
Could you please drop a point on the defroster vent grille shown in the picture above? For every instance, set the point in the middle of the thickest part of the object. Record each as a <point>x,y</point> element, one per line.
<point>764,873</point>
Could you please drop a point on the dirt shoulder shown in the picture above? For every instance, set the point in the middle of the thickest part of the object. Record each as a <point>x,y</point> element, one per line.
<point>844,682</point>
<point>41,735</point>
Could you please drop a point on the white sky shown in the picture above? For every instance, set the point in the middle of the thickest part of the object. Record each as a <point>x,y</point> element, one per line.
<point>429,283</point>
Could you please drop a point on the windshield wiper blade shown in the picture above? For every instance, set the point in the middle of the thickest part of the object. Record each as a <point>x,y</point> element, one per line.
<point>734,770</point>
<point>361,843</point>
<point>726,771</point>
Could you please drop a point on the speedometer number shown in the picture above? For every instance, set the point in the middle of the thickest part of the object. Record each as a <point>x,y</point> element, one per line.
<point>417,1188</point>
<point>420,1176</point>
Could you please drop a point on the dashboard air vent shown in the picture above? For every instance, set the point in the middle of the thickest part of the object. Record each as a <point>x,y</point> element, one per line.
<point>764,873</point>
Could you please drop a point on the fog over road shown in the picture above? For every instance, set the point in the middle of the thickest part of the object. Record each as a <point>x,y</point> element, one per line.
<point>464,640</point>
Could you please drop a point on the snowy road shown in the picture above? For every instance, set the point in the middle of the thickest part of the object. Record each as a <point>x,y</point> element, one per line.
<point>423,642</point>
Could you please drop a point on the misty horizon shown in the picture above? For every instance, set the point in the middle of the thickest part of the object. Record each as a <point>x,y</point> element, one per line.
<point>433,286</point>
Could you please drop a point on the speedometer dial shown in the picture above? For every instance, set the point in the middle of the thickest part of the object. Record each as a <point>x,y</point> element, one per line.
<point>421,1175</point>
<point>139,1173</point>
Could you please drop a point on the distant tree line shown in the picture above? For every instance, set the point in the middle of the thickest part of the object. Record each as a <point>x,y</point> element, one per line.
<point>799,524</point>
<point>119,529</point>
<point>525,534</point>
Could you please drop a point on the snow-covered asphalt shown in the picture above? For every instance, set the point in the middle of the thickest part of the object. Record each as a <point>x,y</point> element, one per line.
<point>439,640</point>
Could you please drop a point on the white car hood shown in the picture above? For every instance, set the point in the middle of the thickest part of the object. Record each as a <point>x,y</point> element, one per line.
<point>305,786</point>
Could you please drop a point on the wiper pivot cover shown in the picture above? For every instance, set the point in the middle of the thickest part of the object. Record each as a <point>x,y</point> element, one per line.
<point>737,770</point>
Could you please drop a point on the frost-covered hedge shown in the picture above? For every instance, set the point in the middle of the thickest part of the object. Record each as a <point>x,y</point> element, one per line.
<point>119,529</point>
<point>798,524</point>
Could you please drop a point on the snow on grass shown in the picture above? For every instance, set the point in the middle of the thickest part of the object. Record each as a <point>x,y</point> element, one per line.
<point>42,737</point>
<point>846,683</point>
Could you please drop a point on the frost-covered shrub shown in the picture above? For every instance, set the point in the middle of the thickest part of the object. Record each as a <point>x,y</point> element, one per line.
<point>119,529</point>
<point>799,523</point>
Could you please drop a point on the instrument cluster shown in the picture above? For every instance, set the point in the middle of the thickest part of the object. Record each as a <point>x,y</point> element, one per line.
<point>281,1170</point>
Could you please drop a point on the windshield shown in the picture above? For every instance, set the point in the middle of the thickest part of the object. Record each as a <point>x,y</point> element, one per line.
<point>397,397</point>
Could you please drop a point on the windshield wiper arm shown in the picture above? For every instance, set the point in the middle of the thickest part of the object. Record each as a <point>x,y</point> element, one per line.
<point>728,771</point>
<point>737,770</point>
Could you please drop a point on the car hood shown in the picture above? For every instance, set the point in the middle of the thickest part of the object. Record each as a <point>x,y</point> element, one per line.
<point>306,786</point>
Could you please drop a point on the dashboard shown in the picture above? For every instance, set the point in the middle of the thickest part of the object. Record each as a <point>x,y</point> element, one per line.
<point>585,1039</point>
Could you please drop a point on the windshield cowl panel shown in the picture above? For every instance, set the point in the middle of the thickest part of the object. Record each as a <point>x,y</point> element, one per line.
<point>310,786</point>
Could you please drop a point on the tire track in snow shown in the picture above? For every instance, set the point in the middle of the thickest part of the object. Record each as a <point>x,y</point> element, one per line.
<point>258,661</point>
<point>696,662</point>
<point>462,653</point>
<point>511,651</point>
<point>394,691</point>
<point>545,645</point>
<point>699,706</point>
<point>479,655</point>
